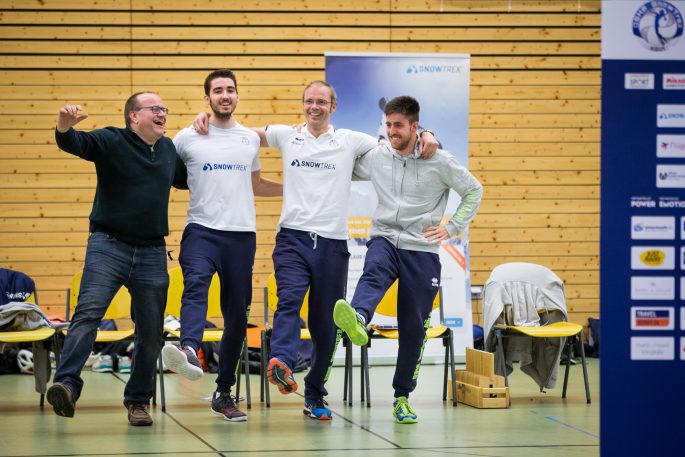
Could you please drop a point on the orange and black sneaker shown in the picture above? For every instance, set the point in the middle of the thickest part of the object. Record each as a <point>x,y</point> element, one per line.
<point>281,375</point>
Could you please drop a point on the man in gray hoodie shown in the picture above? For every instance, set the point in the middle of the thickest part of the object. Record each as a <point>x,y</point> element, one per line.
<point>406,232</point>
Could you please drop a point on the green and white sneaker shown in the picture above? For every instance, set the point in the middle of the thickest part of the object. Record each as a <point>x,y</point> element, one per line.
<point>403,412</point>
<point>347,319</point>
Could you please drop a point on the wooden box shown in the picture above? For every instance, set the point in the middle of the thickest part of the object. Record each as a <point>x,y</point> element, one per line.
<point>478,385</point>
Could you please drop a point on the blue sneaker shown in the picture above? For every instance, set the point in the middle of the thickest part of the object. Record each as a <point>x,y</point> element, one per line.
<point>317,409</point>
<point>281,375</point>
<point>403,412</point>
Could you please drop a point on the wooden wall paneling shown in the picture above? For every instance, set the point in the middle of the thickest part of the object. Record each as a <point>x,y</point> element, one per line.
<point>534,112</point>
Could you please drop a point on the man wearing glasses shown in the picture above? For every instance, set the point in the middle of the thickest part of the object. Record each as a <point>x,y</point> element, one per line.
<point>311,243</point>
<point>136,167</point>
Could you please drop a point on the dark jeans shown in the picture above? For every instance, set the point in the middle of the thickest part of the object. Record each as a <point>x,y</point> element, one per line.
<point>110,264</point>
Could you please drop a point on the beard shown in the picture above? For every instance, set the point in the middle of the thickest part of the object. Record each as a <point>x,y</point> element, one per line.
<point>399,144</point>
<point>221,115</point>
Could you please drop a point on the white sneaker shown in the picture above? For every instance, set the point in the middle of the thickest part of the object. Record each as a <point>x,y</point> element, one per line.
<point>183,361</point>
<point>124,364</point>
<point>103,364</point>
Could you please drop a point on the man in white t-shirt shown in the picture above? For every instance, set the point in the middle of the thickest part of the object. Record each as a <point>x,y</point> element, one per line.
<point>311,243</point>
<point>220,235</point>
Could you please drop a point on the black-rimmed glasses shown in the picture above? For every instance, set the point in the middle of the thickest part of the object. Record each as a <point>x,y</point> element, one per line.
<point>156,109</point>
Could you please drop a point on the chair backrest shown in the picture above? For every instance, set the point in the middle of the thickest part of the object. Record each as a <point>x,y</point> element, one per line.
<point>271,299</point>
<point>119,308</point>
<point>388,304</point>
<point>173,303</point>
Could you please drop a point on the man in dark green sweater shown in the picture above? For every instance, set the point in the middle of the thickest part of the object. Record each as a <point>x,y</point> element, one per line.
<point>136,168</point>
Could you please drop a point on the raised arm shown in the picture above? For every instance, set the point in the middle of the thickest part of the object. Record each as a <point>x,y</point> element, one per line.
<point>69,116</point>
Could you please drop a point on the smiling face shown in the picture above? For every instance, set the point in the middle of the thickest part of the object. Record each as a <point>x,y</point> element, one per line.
<point>148,125</point>
<point>401,132</point>
<point>222,98</point>
<point>318,107</point>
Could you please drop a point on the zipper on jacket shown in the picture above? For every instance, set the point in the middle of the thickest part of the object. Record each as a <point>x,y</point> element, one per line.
<point>397,216</point>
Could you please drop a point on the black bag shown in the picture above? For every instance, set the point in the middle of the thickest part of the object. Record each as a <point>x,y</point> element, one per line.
<point>8,358</point>
<point>592,346</point>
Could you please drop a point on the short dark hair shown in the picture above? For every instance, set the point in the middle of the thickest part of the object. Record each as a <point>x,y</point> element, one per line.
<point>404,104</point>
<point>223,73</point>
<point>321,82</point>
<point>132,105</point>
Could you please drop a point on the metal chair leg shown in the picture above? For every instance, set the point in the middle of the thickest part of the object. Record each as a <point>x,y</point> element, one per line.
<point>346,344</point>
<point>262,372</point>
<point>237,377</point>
<point>582,357</point>
<point>246,364</point>
<point>348,362</point>
<point>445,343</point>
<point>162,393</point>
<point>367,378</point>
<point>453,369</point>
<point>568,345</point>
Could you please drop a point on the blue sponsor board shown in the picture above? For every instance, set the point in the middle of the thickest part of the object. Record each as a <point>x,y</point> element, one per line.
<point>639,181</point>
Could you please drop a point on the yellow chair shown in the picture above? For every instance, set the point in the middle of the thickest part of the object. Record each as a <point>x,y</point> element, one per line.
<point>388,307</point>
<point>45,336</point>
<point>271,304</point>
<point>511,291</point>
<point>173,308</point>
<point>119,308</point>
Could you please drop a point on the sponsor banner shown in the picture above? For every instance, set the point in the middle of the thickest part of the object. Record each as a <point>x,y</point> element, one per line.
<point>670,176</point>
<point>641,37</point>
<point>670,116</point>
<point>682,311</point>
<point>652,318</point>
<point>674,81</point>
<point>652,258</point>
<point>682,348</point>
<point>652,288</point>
<point>670,146</point>
<point>652,348</point>
<point>639,81</point>
<point>642,30</point>
<point>652,228</point>
<point>364,83</point>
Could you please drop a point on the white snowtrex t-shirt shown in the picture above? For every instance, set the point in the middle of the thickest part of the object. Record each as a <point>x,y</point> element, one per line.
<point>316,177</point>
<point>220,167</point>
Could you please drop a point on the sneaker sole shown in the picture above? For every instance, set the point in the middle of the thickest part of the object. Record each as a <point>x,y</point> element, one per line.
<point>58,397</point>
<point>323,417</point>
<point>279,374</point>
<point>140,423</point>
<point>345,317</point>
<point>235,419</point>
<point>407,421</point>
<point>177,362</point>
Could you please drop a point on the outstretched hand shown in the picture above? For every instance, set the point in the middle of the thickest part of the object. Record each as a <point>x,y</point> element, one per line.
<point>69,116</point>
<point>201,123</point>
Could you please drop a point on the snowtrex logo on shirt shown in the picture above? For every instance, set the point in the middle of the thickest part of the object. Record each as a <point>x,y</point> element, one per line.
<point>312,164</point>
<point>224,166</point>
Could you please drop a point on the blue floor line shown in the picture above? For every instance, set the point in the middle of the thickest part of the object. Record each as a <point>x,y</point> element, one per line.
<point>553,419</point>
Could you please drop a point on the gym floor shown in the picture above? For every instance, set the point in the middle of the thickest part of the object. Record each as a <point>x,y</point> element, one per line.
<point>537,424</point>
